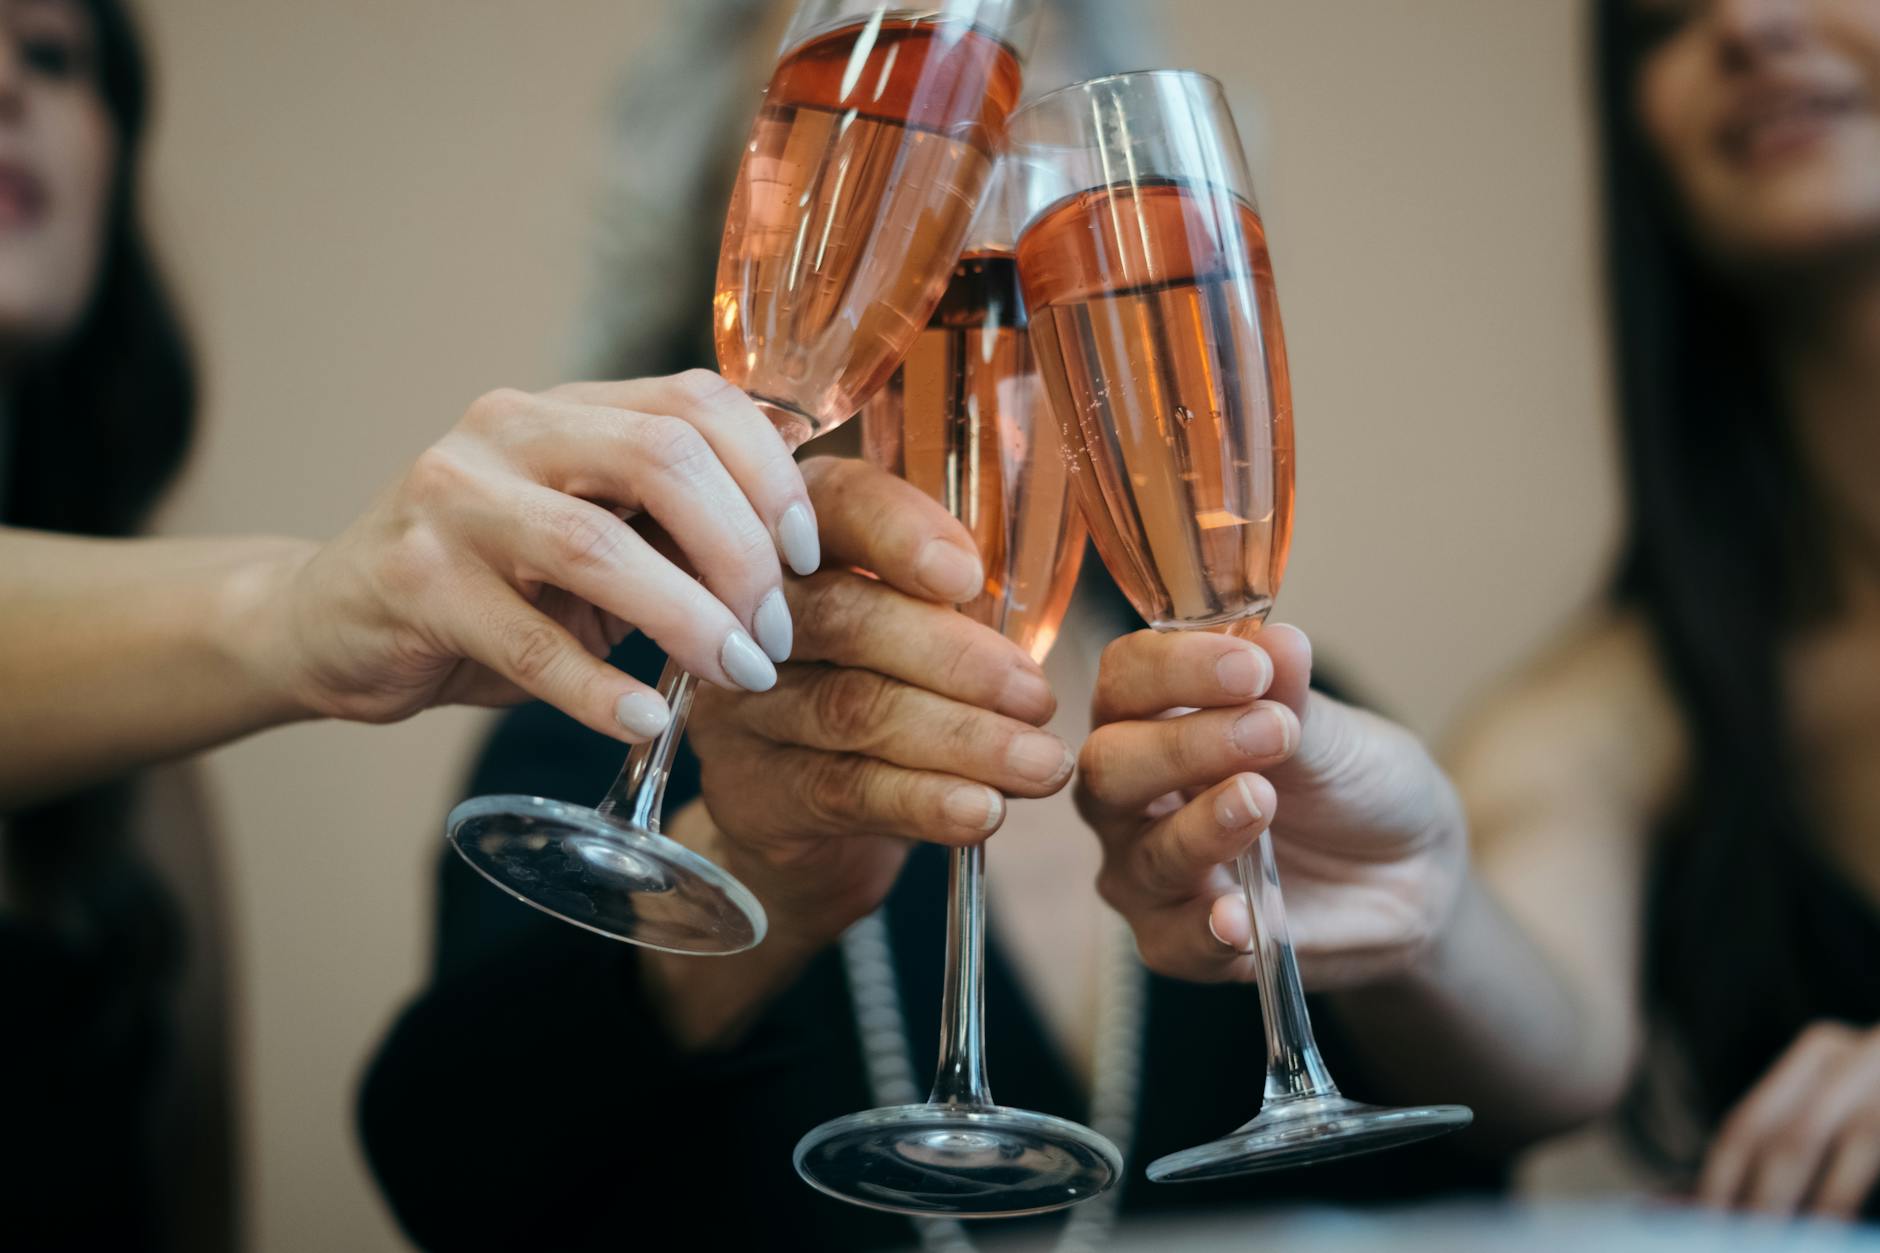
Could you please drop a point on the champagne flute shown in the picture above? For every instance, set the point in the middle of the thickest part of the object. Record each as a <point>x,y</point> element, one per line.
<point>869,155</point>
<point>964,420</point>
<point>1157,331</point>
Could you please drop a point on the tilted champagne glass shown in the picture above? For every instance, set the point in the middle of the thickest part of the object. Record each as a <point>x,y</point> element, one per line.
<point>965,421</point>
<point>1156,326</point>
<point>869,156</point>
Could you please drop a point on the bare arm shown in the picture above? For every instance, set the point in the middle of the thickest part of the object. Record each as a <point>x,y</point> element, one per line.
<point>1527,1005</point>
<point>498,566</point>
<point>116,654</point>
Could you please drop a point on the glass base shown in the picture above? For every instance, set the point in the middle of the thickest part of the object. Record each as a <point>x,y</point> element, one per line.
<point>623,882</point>
<point>796,426</point>
<point>956,1161</point>
<point>1315,1129</point>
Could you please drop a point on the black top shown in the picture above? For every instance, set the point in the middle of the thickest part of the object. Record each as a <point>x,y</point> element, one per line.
<point>90,951</point>
<point>527,1098</point>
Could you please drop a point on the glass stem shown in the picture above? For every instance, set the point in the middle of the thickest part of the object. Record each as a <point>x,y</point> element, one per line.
<point>1294,1069</point>
<point>638,793</point>
<point>962,1075</point>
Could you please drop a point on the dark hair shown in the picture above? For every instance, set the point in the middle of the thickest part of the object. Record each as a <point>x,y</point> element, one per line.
<point>102,421</point>
<point>100,425</point>
<point>1723,561</point>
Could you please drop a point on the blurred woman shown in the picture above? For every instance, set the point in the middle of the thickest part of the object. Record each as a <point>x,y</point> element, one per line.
<point>1674,908</point>
<point>498,566</point>
<point>1702,758</point>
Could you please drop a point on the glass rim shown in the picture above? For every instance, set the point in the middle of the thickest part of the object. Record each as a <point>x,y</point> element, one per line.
<point>1194,75</point>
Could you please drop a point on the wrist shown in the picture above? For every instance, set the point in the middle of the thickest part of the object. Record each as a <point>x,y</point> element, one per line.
<point>254,626</point>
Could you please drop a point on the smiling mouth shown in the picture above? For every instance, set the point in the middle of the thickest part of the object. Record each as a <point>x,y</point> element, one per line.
<point>1775,123</point>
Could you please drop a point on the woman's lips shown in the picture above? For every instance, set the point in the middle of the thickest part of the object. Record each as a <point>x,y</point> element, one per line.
<point>22,197</point>
<point>1775,121</point>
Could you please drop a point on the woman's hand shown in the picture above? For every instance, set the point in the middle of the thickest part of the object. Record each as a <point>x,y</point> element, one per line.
<point>1367,831</point>
<point>898,718</point>
<point>501,565</point>
<point>1807,1137</point>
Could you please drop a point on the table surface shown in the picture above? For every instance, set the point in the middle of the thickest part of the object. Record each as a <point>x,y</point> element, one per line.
<point>1481,1229</point>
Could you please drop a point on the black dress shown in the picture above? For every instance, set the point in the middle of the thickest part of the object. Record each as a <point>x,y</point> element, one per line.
<point>528,1100</point>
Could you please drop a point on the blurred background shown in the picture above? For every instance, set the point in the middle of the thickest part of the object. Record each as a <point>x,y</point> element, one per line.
<point>376,212</point>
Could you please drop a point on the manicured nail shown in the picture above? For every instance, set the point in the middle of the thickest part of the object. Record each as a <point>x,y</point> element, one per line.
<point>746,663</point>
<point>1040,757</point>
<point>772,621</point>
<point>1245,672</point>
<point>643,713</point>
<point>796,533</point>
<point>1263,732</point>
<point>979,808</point>
<point>949,572</point>
<point>1234,808</point>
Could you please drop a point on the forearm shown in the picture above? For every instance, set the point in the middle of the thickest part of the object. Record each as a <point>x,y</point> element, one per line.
<point>1486,1020</point>
<point>118,653</point>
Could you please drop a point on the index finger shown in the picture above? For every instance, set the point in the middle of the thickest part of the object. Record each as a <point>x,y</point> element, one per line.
<point>893,530</point>
<point>742,438</point>
<point>1145,673</point>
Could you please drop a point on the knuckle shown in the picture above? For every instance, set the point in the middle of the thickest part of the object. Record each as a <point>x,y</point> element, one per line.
<point>493,408</point>
<point>1183,754</point>
<point>849,705</point>
<point>834,792</point>
<point>439,474</point>
<point>957,662</point>
<point>414,562</point>
<point>532,648</point>
<point>587,539</point>
<point>828,608</point>
<point>699,386</point>
<point>671,446</point>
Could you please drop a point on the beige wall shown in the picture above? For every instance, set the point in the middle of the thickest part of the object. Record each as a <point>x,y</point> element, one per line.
<point>378,210</point>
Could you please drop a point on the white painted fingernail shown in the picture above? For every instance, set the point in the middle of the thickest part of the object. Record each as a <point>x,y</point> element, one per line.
<point>746,663</point>
<point>643,713</point>
<point>796,532</point>
<point>774,630</point>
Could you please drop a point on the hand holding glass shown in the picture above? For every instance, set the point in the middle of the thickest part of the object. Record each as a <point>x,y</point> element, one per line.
<point>1156,327</point>
<point>868,158</point>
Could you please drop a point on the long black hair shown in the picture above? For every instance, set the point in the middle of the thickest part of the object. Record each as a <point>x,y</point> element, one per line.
<point>100,423</point>
<point>1724,561</point>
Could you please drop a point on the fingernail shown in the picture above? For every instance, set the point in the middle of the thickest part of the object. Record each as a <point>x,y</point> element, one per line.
<point>746,664</point>
<point>774,630</point>
<point>977,807</point>
<point>1235,808</point>
<point>1040,757</point>
<point>643,713</point>
<point>1244,672</point>
<point>1025,689</point>
<point>948,571</point>
<point>1263,732</point>
<point>1216,934</point>
<point>796,532</point>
